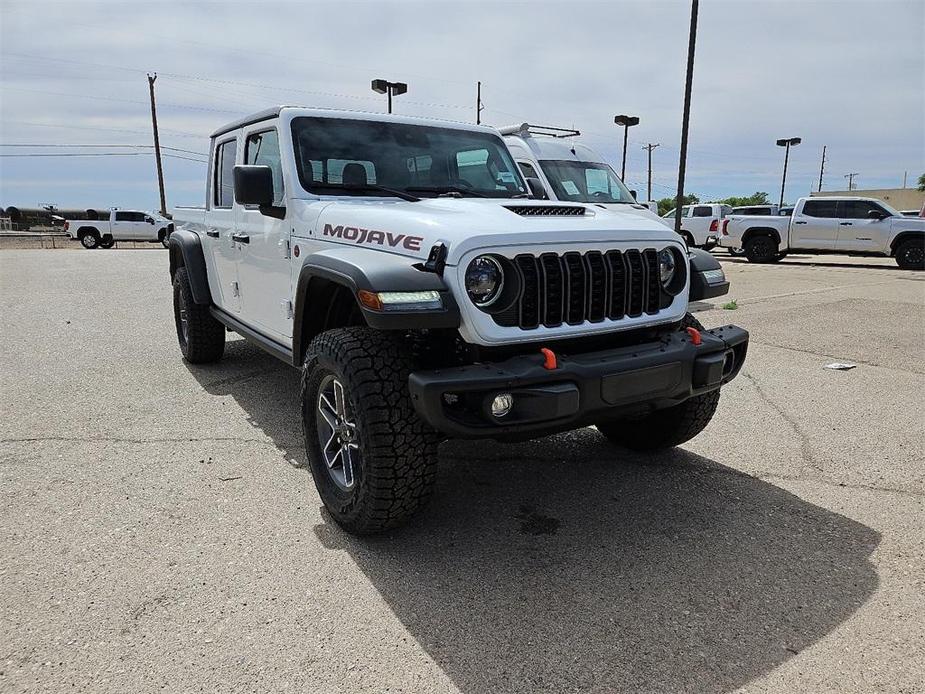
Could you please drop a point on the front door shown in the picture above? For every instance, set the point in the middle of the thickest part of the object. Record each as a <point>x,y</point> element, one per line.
<point>264,270</point>
<point>857,231</point>
<point>816,225</point>
<point>220,227</point>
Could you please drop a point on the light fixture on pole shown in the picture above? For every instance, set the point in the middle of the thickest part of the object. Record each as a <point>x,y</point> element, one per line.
<point>390,88</point>
<point>627,122</point>
<point>786,142</point>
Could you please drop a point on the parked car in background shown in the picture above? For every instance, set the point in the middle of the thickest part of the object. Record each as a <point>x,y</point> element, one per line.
<point>911,213</point>
<point>122,225</point>
<point>857,226</point>
<point>700,223</point>
<point>756,210</point>
<point>570,171</point>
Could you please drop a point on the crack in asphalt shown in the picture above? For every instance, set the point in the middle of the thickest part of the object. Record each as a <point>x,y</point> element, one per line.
<point>833,356</point>
<point>114,439</point>
<point>805,441</point>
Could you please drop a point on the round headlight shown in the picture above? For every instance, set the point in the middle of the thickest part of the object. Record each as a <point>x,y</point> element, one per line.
<point>666,266</point>
<point>484,280</point>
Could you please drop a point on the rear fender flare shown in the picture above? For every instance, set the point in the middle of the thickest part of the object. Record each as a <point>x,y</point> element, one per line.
<point>186,251</point>
<point>752,232</point>
<point>904,236</point>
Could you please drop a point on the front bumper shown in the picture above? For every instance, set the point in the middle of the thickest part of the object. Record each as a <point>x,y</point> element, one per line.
<point>583,389</point>
<point>710,242</point>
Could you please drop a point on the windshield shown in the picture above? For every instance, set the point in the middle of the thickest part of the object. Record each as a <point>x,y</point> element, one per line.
<point>584,181</point>
<point>358,157</point>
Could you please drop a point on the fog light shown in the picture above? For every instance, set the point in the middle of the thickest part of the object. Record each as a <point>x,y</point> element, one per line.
<point>502,404</point>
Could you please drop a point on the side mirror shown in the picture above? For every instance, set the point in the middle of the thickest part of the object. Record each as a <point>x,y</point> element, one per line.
<point>633,193</point>
<point>537,191</point>
<point>253,185</point>
<point>149,220</point>
<point>876,215</point>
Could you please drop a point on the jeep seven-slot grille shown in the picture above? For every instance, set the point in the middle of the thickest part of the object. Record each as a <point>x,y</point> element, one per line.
<point>572,288</point>
<point>547,210</point>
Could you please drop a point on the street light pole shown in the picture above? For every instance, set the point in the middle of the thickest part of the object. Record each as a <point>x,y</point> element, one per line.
<point>650,147</point>
<point>685,119</point>
<point>390,88</point>
<point>786,142</point>
<point>627,122</point>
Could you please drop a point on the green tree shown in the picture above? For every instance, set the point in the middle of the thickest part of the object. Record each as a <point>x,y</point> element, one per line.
<point>665,205</point>
<point>741,201</point>
<point>922,182</point>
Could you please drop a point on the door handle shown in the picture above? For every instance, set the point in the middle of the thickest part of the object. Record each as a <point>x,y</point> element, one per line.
<point>212,233</point>
<point>241,238</point>
<point>845,224</point>
<point>799,222</point>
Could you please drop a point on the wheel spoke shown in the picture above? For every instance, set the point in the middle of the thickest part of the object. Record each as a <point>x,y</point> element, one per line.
<point>347,459</point>
<point>339,400</point>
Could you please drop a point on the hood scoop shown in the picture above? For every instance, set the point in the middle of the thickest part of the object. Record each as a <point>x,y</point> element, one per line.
<point>547,210</point>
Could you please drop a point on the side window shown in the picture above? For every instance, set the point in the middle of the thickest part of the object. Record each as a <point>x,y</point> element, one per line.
<point>137,216</point>
<point>527,169</point>
<point>703,211</point>
<point>223,185</point>
<point>123,216</point>
<point>473,168</point>
<point>819,208</point>
<point>262,149</point>
<point>856,209</point>
<point>419,169</point>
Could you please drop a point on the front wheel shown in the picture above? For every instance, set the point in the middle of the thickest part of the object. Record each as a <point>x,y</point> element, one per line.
<point>910,255</point>
<point>165,238</point>
<point>372,458</point>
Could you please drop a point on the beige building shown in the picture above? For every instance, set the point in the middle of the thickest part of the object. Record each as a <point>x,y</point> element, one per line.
<point>900,198</point>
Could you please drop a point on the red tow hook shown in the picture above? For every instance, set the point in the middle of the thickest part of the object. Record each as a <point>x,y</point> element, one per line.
<point>695,336</point>
<point>549,361</point>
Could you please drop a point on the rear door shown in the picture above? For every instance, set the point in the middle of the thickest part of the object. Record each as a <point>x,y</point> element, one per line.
<point>815,226</point>
<point>220,224</point>
<point>857,231</point>
<point>127,226</point>
<point>264,269</point>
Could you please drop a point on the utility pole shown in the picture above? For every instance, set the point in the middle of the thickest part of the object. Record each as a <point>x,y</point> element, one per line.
<point>822,168</point>
<point>850,178</point>
<point>157,144</point>
<point>650,147</point>
<point>478,103</point>
<point>685,119</point>
<point>905,173</point>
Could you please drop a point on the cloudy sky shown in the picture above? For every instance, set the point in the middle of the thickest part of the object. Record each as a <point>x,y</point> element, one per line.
<point>847,74</point>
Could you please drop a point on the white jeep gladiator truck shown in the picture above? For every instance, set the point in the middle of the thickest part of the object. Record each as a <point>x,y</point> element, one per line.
<point>121,225</point>
<point>848,225</point>
<point>402,266</point>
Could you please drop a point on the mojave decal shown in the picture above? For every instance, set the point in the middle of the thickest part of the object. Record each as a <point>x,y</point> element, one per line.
<point>382,238</point>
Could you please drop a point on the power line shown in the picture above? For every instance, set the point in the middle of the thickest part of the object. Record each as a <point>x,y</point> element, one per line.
<point>174,149</point>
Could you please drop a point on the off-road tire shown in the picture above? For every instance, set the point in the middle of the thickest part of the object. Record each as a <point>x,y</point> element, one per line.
<point>89,239</point>
<point>203,340</point>
<point>668,427</point>
<point>761,249</point>
<point>164,238</point>
<point>397,450</point>
<point>910,255</point>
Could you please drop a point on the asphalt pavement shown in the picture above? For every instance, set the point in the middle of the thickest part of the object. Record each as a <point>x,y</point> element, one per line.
<point>159,530</point>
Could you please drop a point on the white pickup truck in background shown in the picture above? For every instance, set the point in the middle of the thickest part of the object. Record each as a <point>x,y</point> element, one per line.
<point>121,225</point>
<point>700,223</point>
<point>850,225</point>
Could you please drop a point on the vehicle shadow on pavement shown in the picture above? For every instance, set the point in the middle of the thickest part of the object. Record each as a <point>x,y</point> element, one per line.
<point>813,261</point>
<point>566,564</point>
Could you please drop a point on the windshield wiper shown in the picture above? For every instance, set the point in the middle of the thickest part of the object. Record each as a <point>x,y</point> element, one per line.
<point>460,191</point>
<point>369,186</point>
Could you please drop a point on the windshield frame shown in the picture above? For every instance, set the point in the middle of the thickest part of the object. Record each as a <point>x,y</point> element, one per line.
<point>493,143</point>
<point>561,194</point>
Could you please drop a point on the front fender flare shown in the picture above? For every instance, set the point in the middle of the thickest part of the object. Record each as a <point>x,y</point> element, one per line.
<point>375,271</point>
<point>701,285</point>
<point>185,250</point>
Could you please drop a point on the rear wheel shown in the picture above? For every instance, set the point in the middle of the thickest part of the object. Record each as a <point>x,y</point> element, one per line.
<point>761,249</point>
<point>89,239</point>
<point>107,242</point>
<point>910,255</point>
<point>201,337</point>
<point>372,458</point>
<point>668,427</point>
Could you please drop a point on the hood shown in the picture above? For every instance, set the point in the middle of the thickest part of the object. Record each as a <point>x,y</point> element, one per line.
<point>463,224</point>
